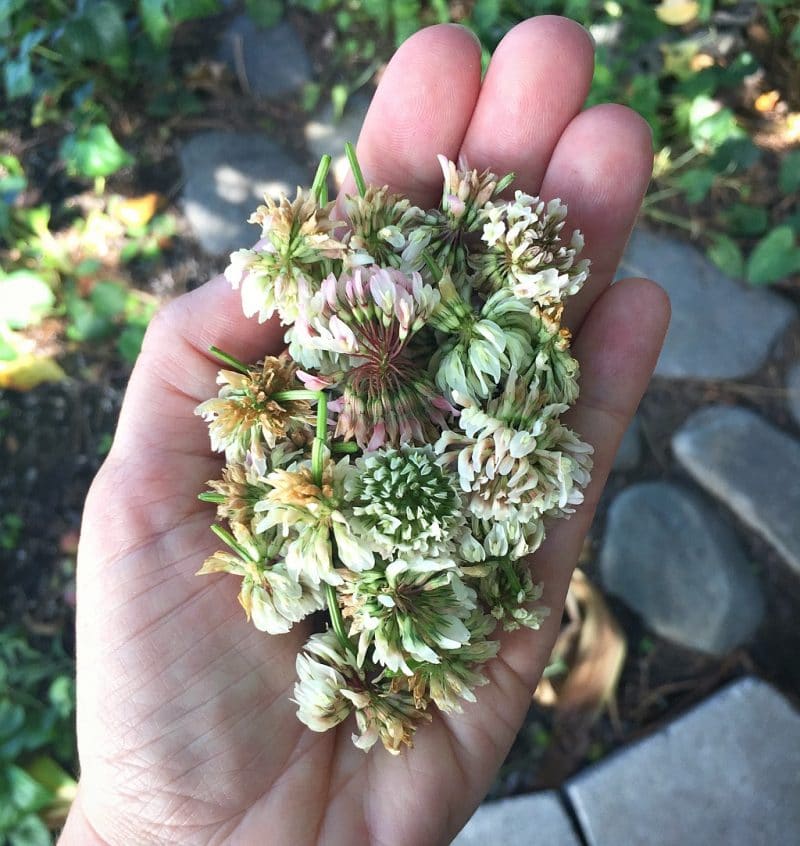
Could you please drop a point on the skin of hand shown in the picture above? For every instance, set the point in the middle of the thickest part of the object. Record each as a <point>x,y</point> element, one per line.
<point>186,731</point>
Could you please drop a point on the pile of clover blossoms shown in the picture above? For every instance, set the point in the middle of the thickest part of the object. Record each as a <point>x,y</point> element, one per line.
<point>394,467</point>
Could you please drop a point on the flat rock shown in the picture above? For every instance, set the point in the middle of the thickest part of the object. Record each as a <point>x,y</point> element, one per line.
<point>751,466</point>
<point>668,555</point>
<point>793,392</point>
<point>725,773</point>
<point>325,134</point>
<point>719,328</point>
<point>538,818</point>
<point>269,63</point>
<point>227,175</point>
<point>629,453</point>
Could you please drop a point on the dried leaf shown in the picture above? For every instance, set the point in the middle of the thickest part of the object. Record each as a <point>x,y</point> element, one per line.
<point>28,371</point>
<point>677,12</point>
<point>137,211</point>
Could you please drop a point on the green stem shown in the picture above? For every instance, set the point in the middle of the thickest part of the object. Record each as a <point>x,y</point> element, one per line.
<point>434,268</point>
<point>227,538</point>
<point>211,496</point>
<point>344,447</point>
<point>298,394</point>
<point>358,176</point>
<point>511,575</point>
<point>666,217</point>
<point>319,185</point>
<point>337,621</point>
<point>227,358</point>
<point>320,437</point>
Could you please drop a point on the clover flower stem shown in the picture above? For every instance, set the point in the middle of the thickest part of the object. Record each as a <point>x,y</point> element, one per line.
<point>358,176</point>
<point>345,447</point>
<point>227,358</point>
<point>511,575</point>
<point>319,186</point>
<point>227,538</point>
<point>434,268</point>
<point>212,496</point>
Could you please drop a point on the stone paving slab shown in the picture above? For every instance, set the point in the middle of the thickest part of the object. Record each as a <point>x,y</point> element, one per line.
<point>749,465</point>
<point>227,175</point>
<point>538,819</point>
<point>719,329</point>
<point>668,555</point>
<point>793,390</point>
<point>725,774</point>
<point>324,134</point>
<point>271,62</point>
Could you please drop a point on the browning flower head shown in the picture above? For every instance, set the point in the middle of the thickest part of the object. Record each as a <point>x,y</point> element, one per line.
<point>364,324</point>
<point>407,616</point>
<point>383,230</point>
<point>310,518</point>
<point>524,252</point>
<point>404,501</point>
<point>331,685</point>
<point>245,415</point>
<point>270,597</point>
<point>296,238</point>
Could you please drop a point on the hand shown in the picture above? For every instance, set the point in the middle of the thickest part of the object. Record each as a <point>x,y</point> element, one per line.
<point>186,729</point>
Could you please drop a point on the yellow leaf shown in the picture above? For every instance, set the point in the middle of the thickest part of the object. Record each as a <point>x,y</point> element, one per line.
<point>136,211</point>
<point>677,12</point>
<point>28,371</point>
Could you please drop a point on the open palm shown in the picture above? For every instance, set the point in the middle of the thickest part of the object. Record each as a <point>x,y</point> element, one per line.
<point>186,730</point>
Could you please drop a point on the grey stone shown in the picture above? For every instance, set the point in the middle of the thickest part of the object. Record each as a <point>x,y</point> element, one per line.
<point>668,556</point>
<point>227,175</point>
<point>629,453</point>
<point>719,329</point>
<point>751,466</point>
<point>725,773</point>
<point>324,134</point>
<point>793,392</point>
<point>538,818</point>
<point>269,63</point>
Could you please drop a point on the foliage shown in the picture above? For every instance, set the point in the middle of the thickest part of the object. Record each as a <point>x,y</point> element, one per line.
<point>37,743</point>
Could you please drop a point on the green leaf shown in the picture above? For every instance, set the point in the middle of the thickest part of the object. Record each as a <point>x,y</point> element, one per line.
<point>12,178</point>
<point>789,176</point>
<point>109,298</point>
<point>485,14</point>
<point>186,10</point>
<point>696,183</point>
<point>61,695</point>
<point>265,13</point>
<point>30,831</point>
<point>25,792</point>
<point>93,152</point>
<point>12,718</point>
<point>155,21</point>
<point>25,299</point>
<point>726,255</point>
<point>710,125</point>
<point>747,221</point>
<point>112,34</point>
<point>774,257</point>
<point>18,77</point>
<point>129,342</point>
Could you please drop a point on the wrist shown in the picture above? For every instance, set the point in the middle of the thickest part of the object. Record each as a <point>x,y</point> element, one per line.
<point>78,831</point>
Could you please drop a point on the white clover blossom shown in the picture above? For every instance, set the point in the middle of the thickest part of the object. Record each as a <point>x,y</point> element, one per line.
<point>246,417</point>
<point>309,518</point>
<point>269,595</point>
<point>277,273</point>
<point>525,252</point>
<point>407,616</point>
<point>515,460</point>
<point>404,501</point>
<point>331,685</point>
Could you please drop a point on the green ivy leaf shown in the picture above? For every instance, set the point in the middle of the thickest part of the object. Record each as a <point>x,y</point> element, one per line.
<point>17,77</point>
<point>93,152</point>
<point>774,257</point>
<point>30,831</point>
<point>25,792</point>
<point>155,21</point>
<point>727,256</point>
<point>789,176</point>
